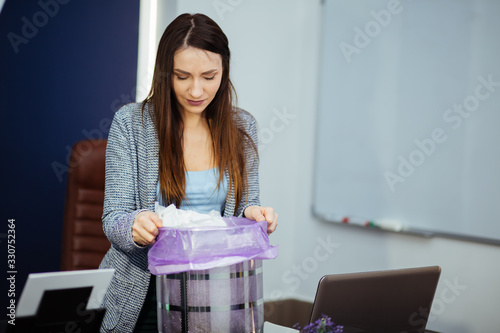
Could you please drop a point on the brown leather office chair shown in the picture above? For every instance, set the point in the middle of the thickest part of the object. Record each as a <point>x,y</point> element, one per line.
<point>84,243</point>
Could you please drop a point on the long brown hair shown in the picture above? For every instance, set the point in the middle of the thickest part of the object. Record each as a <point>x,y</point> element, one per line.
<point>230,142</point>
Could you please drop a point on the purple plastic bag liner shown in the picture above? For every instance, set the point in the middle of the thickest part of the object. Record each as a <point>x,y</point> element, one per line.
<point>197,248</point>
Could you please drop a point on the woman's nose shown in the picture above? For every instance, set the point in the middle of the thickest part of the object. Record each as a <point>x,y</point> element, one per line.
<point>196,89</point>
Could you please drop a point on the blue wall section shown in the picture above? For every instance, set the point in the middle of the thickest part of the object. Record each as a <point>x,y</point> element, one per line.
<point>65,67</point>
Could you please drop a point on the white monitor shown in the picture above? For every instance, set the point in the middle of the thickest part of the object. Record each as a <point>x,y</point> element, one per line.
<point>38,283</point>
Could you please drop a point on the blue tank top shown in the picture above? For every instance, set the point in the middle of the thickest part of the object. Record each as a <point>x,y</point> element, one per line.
<point>202,192</point>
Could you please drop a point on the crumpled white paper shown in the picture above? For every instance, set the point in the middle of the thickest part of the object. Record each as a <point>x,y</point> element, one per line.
<point>178,218</point>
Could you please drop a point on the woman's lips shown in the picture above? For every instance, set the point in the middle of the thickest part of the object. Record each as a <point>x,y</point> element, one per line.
<point>195,103</point>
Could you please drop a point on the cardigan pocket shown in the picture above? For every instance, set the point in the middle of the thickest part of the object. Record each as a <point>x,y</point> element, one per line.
<point>115,302</point>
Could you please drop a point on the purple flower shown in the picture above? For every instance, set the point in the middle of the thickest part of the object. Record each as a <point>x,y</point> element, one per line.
<point>322,325</point>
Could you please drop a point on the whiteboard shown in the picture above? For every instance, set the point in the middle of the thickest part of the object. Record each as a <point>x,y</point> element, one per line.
<point>408,126</point>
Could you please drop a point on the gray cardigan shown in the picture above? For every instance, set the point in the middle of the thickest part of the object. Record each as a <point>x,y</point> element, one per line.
<point>131,179</point>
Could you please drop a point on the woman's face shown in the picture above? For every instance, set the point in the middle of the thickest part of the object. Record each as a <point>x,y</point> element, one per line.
<point>196,79</point>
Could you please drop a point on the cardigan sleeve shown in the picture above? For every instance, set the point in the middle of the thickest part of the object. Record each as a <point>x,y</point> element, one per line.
<point>120,206</point>
<point>250,197</point>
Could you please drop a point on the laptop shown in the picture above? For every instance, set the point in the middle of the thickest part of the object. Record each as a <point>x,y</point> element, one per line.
<point>380,301</point>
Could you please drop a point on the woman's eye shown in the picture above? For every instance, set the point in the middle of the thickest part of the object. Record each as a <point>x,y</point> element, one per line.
<point>181,77</point>
<point>210,78</point>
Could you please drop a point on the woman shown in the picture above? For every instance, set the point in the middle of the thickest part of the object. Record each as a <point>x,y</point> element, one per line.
<point>185,144</point>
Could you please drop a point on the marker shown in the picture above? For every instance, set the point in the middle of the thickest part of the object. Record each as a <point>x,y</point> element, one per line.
<point>353,220</point>
<point>387,224</point>
<point>384,224</point>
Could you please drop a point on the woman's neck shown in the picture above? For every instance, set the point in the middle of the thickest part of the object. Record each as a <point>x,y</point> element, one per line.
<point>197,143</point>
<point>193,121</point>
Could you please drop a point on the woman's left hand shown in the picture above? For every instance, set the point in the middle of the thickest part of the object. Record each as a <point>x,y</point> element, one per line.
<point>258,213</point>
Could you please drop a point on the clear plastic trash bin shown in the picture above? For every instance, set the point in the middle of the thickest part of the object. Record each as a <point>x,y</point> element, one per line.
<point>221,299</point>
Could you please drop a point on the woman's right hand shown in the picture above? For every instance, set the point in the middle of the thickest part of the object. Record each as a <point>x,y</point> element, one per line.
<point>145,228</point>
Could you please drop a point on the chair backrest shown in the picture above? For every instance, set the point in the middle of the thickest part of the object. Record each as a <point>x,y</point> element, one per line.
<point>84,243</point>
